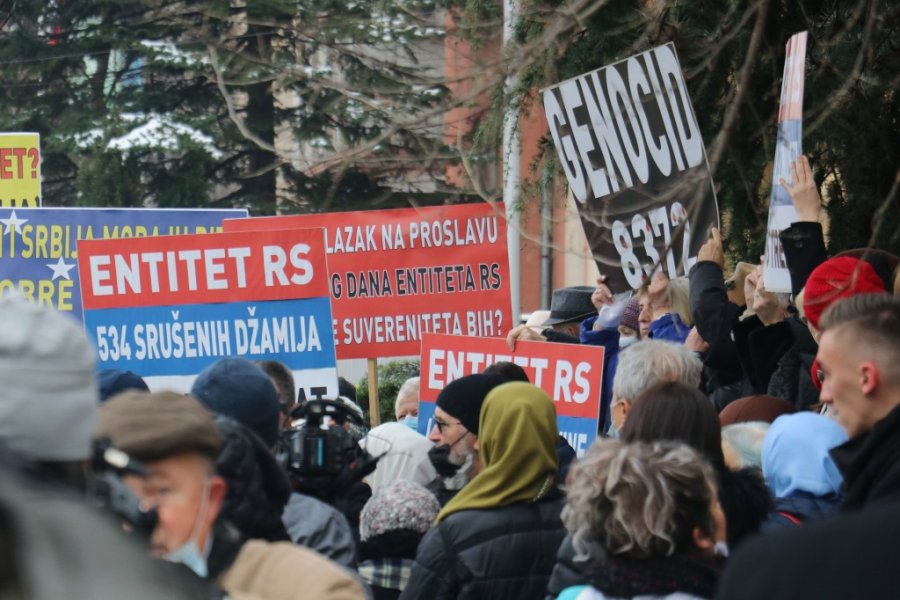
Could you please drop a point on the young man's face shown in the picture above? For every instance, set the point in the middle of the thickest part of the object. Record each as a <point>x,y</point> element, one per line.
<point>841,387</point>
<point>187,498</point>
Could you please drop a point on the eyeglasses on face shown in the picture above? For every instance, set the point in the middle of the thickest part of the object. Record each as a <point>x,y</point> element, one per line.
<point>441,424</point>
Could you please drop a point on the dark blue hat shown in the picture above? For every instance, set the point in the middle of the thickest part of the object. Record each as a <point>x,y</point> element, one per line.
<point>240,389</point>
<point>115,381</point>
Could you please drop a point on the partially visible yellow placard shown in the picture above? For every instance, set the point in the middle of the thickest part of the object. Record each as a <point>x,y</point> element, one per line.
<point>20,169</point>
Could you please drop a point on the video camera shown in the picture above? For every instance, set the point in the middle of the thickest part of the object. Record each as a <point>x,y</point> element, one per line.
<point>107,490</point>
<point>323,461</point>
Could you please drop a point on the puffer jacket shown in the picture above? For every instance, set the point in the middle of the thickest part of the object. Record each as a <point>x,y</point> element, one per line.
<point>258,488</point>
<point>505,552</point>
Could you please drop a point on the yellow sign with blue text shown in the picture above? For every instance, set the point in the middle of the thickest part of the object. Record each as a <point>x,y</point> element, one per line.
<point>20,170</point>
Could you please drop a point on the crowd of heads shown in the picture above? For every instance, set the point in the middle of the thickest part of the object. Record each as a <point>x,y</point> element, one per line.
<point>727,412</point>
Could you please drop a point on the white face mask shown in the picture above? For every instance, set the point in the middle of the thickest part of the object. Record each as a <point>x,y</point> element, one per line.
<point>721,549</point>
<point>189,553</point>
<point>627,340</point>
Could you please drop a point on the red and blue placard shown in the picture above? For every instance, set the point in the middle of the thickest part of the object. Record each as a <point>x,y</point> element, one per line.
<point>169,306</point>
<point>571,374</point>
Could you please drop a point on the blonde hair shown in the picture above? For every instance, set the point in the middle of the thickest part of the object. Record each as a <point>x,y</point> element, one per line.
<point>680,299</point>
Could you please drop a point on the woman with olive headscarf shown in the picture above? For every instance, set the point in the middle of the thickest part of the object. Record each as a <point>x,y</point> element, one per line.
<point>497,537</point>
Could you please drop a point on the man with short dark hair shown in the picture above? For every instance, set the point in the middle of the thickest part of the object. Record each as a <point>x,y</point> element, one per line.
<point>853,555</point>
<point>283,381</point>
<point>859,356</point>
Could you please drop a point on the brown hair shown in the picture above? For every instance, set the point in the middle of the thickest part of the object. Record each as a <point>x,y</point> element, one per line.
<point>676,412</point>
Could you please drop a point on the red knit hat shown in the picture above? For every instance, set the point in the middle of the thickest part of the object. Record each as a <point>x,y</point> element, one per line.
<point>838,278</point>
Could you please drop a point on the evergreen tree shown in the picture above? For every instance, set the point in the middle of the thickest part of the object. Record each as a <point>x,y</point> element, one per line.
<point>851,118</point>
<point>321,104</point>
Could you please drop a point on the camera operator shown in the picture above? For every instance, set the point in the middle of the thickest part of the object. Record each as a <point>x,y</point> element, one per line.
<point>239,388</point>
<point>324,459</point>
<point>54,544</point>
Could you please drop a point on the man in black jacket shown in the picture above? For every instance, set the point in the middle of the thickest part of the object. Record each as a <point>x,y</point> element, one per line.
<point>859,359</point>
<point>851,556</point>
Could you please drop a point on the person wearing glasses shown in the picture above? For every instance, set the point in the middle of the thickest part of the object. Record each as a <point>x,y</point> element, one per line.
<point>496,538</point>
<point>455,433</point>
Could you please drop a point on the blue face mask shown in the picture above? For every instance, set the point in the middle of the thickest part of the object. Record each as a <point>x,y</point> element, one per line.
<point>190,556</point>
<point>411,421</point>
<point>627,340</point>
<point>188,553</point>
<point>612,432</point>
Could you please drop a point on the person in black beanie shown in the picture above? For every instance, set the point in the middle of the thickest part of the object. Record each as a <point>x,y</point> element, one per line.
<point>454,432</point>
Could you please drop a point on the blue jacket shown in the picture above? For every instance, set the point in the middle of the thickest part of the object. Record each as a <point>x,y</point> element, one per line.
<point>796,510</point>
<point>670,328</point>
<point>609,340</point>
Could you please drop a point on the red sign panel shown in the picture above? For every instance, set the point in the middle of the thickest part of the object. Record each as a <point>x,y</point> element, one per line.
<point>201,269</point>
<point>396,275</point>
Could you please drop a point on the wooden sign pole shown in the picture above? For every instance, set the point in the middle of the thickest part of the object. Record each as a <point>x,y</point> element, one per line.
<point>374,411</point>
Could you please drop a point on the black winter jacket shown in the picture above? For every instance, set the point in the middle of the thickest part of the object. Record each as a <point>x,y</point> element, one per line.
<point>848,556</point>
<point>715,317</point>
<point>569,569</point>
<point>258,488</point>
<point>870,464</point>
<point>505,552</point>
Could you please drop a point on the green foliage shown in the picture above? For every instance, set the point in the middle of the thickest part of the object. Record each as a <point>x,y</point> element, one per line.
<point>390,377</point>
<point>851,116</point>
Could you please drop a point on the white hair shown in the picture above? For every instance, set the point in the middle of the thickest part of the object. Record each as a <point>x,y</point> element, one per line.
<point>410,387</point>
<point>646,363</point>
<point>746,440</point>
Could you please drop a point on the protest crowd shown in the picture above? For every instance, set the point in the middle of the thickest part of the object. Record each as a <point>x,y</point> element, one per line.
<point>747,446</point>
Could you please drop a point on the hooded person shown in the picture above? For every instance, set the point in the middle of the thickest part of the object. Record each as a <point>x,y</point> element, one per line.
<point>402,454</point>
<point>177,441</point>
<point>799,470</point>
<point>492,539</point>
<point>455,433</point>
<point>239,388</point>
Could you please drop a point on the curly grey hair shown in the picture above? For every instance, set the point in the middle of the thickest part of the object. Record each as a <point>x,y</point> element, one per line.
<point>639,500</point>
